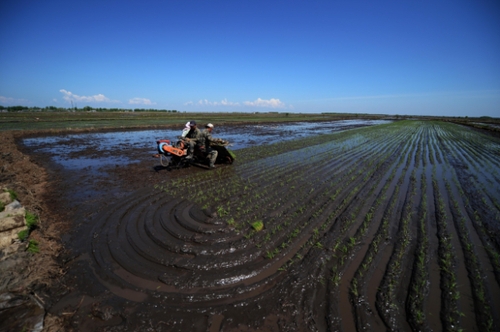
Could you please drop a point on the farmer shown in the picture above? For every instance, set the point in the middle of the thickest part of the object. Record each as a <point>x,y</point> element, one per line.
<point>204,139</point>
<point>189,138</point>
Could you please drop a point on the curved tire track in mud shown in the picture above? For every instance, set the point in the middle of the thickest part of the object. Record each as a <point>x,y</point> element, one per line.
<point>169,247</point>
<point>391,227</point>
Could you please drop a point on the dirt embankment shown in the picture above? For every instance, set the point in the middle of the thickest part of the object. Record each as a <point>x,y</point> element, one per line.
<point>23,273</point>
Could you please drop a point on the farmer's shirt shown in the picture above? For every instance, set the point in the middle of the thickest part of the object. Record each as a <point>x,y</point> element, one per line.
<point>204,139</point>
<point>193,133</point>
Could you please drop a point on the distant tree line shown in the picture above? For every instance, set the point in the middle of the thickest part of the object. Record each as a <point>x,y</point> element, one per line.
<point>76,109</point>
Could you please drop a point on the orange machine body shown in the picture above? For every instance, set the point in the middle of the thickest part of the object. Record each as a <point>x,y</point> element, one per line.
<point>173,150</point>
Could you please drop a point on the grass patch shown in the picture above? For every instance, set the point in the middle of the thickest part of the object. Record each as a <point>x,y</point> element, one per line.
<point>2,206</point>
<point>23,235</point>
<point>258,225</point>
<point>33,247</point>
<point>31,220</point>
<point>12,193</point>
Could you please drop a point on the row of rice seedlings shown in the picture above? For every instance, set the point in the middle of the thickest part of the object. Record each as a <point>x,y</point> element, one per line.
<point>318,213</point>
<point>318,209</point>
<point>477,222</point>
<point>417,293</point>
<point>490,190</point>
<point>295,231</point>
<point>319,173</point>
<point>341,252</point>
<point>488,201</point>
<point>387,303</point>
<point>436,138</point>
<point>463,151</point>
<point>450,313</point>
<point>288,220</point>
<point>484,316</point>
<point>430,146</point>
<point>261,191</point>
<point>476,163</point>
<point>480,155</point>
<point>425,148</point>
<point>418,143</point>
<point>251,154</point>
<point>343,245</point>
<point>371,170</point>
<point>420,266</point>
<point>477,145</point>
<point>478,158</point>
<point>299,210</point>
<point>361,274</point>
<point>375,244</point>
<point>473,204</point>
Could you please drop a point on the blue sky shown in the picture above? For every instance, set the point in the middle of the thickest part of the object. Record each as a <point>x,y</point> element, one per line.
<point>389,57</point>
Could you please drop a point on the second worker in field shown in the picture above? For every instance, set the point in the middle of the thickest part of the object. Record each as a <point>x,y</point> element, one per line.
<point>203,141</point>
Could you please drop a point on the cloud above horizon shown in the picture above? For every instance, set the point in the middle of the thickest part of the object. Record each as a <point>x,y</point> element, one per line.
<point>270,103</point>
<point>205,102</point>
<point>99,98</point>
<point>259,102</point>
<point>9,100</point>
<point>140,101</point>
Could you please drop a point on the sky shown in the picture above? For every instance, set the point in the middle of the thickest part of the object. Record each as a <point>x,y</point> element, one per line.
<point>376,57</point>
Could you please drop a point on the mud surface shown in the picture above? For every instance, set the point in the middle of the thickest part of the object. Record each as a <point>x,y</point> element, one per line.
<point>363,229</point>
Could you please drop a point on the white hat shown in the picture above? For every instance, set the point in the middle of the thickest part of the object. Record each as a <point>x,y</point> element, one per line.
<point>209,125</point>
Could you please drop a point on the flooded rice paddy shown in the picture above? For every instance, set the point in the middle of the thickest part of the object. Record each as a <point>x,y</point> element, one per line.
<point>387,227</point>
<point>109,148</point>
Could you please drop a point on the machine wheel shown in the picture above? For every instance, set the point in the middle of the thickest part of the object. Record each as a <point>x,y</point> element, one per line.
<point>164,163</point>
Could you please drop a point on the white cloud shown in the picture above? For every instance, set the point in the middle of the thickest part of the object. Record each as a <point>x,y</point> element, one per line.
<point>9,100</point>
<point>223,102</point>
<point>259,102</point>
<point>142,101</point>
<point>6,100</point>
<point>271,103</point>
<point>100,98</point>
